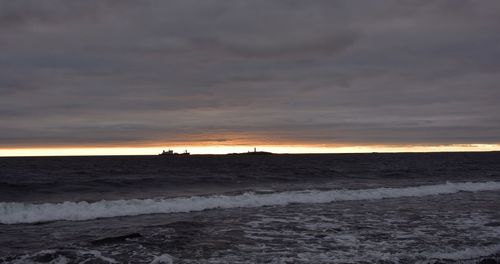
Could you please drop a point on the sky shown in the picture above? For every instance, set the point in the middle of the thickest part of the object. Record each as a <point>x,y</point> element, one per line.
<point>217,76</point>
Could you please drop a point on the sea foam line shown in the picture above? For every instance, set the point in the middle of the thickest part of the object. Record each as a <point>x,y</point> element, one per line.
<point>15,213</point>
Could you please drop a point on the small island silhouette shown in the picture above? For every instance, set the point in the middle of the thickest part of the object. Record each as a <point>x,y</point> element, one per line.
<point>254,152</point>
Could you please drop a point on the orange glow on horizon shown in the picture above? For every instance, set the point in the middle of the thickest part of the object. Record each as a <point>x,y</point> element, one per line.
<point>224,149</point>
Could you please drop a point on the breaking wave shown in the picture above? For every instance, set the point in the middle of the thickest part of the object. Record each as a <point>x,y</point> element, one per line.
<point>472,254</point>
<point>16,213</point>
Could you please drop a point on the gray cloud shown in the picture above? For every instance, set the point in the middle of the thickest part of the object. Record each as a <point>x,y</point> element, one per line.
<point>139,72</point>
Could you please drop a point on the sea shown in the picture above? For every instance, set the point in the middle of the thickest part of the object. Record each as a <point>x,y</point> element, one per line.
<point>314,208</point>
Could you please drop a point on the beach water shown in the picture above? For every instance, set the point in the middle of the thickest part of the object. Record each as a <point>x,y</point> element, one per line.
<point>335,208</point>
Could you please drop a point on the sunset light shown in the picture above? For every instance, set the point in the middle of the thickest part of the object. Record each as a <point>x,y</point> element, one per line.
<point>89,151</point>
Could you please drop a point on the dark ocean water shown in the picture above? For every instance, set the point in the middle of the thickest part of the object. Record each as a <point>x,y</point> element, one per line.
<point>344,208</point>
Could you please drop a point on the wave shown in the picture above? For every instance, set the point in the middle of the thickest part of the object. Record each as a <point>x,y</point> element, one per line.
<point>61,257</point>
<point>468,255</point>
<point>17,213</point>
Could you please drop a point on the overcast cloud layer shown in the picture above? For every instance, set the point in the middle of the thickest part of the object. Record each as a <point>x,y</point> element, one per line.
<point>332,72</point>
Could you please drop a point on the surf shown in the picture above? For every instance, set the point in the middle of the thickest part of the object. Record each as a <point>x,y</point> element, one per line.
<point>22,213</point>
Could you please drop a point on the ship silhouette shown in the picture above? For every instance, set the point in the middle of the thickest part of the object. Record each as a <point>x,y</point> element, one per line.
<point>172,153</point>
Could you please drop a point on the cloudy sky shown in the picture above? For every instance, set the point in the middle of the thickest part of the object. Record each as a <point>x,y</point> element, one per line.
<point>150,73</point>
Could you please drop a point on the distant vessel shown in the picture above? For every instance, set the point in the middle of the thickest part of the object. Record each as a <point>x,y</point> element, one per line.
<point>172,153</point>
<point>254,152</point>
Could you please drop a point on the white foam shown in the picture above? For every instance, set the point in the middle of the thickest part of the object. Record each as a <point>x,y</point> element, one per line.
<point>163,259</point>
<point>61,259</point>
<point>14,213</point>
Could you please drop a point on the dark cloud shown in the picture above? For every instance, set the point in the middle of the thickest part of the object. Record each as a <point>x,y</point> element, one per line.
<point>139,72</point>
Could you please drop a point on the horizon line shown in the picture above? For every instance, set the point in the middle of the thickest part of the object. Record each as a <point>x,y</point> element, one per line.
<point>229,154</point>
